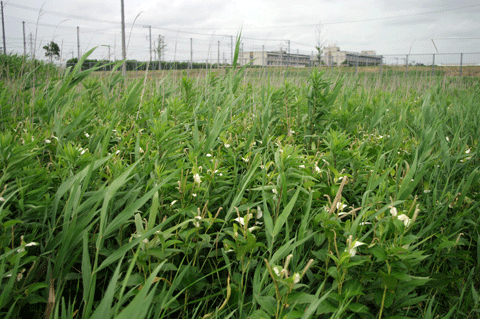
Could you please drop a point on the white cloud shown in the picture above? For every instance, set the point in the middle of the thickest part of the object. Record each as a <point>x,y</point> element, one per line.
<point>352,25</point>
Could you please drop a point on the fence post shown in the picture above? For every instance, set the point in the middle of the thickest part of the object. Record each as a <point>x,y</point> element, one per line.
<point>356,64</point>
<point>433,65</point>
<point>381,63</point>
<point>406,65</point>
<point>461,63</point>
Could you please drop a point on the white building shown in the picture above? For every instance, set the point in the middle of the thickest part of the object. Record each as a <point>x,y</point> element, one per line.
<point>333,56</point>
<point>273,58</point>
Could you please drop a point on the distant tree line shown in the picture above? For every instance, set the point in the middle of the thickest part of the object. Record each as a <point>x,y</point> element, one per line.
<point>134,65</point>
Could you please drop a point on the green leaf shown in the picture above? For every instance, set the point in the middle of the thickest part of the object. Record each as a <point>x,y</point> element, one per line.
<point>358,308</point>
<point>267,303</point>
<point>244,183</point>
<point>282,219</point>
<point>312,308</point>
<point>122,217</point>
<point>104,309</point>
<point>259,314</point>
<point>140,305</point>
<point>389,281</point>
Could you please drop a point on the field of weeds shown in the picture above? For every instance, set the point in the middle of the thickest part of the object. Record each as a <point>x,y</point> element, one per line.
<point>238,194</point>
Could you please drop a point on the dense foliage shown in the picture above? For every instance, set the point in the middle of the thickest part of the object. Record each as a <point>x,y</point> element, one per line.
<point>134,65</point>
<point>238,196</point>
<point>13,66</point>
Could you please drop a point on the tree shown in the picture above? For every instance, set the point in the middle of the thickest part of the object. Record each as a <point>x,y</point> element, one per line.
<point>320,42</point>
<point>52,51</point>
<point>160,49</point>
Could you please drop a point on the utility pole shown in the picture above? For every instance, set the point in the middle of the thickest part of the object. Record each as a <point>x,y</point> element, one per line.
<point>281,56</point>
<point>461,63</point>
<point>31,44</point>
<point>218,56</point>
<point>263,56</point>
<point>124,51</point>
<point>78,43</point>
<point>356,64</point>
<point>241,56</point>
<point>3,30</point>
<point>288,55</point>
<point>191,53</point>
<point>150,35</point>
<point>406,65</point>
<point>24,40</point>
<point>433,65</point>
<point>159,53</point>
<point>159,58</point>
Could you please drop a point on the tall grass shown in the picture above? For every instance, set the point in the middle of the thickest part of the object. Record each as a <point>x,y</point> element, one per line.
<point>239,195</point>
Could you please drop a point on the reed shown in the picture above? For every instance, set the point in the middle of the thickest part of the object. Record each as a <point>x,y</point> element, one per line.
<point>243,193</point>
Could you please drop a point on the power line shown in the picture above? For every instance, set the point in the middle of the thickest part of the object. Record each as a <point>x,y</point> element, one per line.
<point>61,14</point>
<point>183,30</point>
<point>348,21</point>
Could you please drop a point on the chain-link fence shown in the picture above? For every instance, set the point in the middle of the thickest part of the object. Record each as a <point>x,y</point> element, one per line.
<point>437,64</point>
<point>143,66</point>
<point>448,64</point>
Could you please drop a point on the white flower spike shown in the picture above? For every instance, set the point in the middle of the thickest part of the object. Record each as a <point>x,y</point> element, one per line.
<point>259,212</point>
<point>406,220</point>
<point>240,220</point>
<point>352,246</point>
<point>341,206</point>
<point>197,178</point>
<point>296,278</point>
<point>393,211</point>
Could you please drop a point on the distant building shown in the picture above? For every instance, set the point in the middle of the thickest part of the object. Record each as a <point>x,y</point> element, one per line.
<point>333,56</point>
<point>273,58</point>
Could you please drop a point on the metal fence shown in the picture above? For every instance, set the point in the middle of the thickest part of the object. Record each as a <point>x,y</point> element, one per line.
<point>435,64</point>
<point>450,64</point>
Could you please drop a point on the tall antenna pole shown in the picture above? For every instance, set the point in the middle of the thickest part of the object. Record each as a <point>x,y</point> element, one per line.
<point>191,53</point>
<point>241,54</point>
<point>263,55</point>
<point>150,35</point>
<point>31,44</point>
<point>3,29</point>
<point>159,52</point>
<point>124,51</point>
<point>78,43</point>
<point>288,55</point>
<point>24,40</point>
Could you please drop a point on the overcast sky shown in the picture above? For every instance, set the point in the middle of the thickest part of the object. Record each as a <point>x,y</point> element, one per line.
<point>388,27</point>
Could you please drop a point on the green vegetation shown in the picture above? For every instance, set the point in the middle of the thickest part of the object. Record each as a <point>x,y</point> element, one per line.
<point>52,50</point>
<point>134,65</point>
<point>241,194</point>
